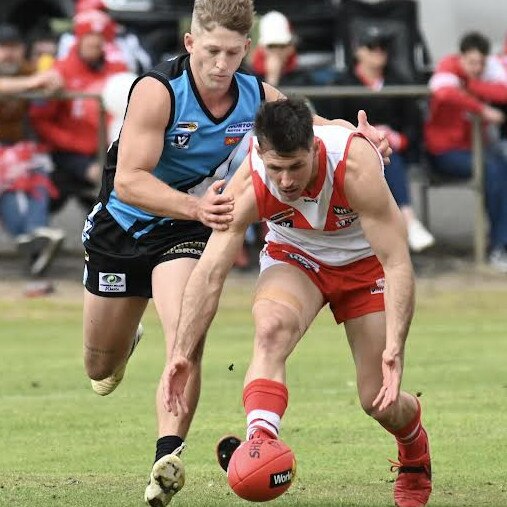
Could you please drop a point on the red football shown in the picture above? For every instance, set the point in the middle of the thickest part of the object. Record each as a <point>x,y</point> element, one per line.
<point>261,469</point>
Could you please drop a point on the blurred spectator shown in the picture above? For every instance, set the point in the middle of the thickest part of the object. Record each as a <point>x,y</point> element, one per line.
<point>397,117</point>
<point>71,127</point>
<point>42,51</point>
<point>123,46</point>
<point>274,58</point>
<point>24,184</point>
<point>461,86</point>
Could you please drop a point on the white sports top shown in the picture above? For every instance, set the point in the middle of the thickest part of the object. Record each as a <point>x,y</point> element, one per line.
<point>321,222</point>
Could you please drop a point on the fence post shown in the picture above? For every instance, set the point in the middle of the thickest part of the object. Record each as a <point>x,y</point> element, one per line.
<point>478,185</point>
<point>102,133</point>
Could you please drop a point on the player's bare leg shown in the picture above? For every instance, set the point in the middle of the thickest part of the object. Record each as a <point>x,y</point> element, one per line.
<point>168,473</point>
<point>286,302</point>
<point>110,330</point>
<point>413,485</point>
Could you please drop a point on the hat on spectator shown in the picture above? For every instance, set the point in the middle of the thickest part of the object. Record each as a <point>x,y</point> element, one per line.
<point>373,36</point>
<point>274,28</point>
<point>94,22</point>
<point>90,5</point>
<point>9,34</point>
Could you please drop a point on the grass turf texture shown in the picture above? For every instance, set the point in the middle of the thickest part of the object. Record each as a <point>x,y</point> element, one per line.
<point>61,445</point>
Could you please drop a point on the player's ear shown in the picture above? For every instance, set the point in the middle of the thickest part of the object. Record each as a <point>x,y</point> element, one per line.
<point>248,44</point>
<point>188,41</point>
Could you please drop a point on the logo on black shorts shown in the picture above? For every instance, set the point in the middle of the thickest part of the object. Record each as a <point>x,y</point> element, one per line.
<point>187,248</point>
<point>112,282</point>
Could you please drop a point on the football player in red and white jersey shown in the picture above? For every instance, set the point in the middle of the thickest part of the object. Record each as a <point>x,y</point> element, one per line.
<point>335,236</point>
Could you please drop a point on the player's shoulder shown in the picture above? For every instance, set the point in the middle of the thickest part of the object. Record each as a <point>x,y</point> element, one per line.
<point>326,132</point>
<point>170,69</point>
<point>362,156</point>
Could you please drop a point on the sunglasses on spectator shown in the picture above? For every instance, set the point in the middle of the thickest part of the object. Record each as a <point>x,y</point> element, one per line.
<point>276,46</point>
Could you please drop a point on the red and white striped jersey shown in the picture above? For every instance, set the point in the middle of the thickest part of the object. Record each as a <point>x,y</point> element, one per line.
<point>321,222</point>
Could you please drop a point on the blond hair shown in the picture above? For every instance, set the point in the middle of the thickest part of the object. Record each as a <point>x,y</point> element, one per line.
<point>235,15</point>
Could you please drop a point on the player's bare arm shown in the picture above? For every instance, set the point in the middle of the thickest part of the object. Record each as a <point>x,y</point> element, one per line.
<point>204,287</point>
<point>382,223</point>
<point>141,144</point>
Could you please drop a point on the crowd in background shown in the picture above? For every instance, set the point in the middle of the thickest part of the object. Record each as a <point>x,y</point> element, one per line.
<point>49,147</point>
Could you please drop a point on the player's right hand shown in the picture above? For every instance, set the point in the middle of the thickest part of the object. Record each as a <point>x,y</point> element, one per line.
<point>215,209</point>
<point>174,380</point>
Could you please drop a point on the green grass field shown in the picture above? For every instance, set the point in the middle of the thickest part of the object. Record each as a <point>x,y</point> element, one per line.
<point>61,445</point>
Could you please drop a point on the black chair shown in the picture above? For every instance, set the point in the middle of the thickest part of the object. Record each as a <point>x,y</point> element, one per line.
<point>398,19</point>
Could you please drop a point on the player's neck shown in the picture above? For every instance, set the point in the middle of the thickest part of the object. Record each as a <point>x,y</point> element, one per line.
<point>218,102</point>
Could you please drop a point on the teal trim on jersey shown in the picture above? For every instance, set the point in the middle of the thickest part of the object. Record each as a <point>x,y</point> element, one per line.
<point>195,143</point>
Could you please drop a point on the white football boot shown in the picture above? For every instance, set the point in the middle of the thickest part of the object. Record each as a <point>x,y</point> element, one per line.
<point>166,479</point>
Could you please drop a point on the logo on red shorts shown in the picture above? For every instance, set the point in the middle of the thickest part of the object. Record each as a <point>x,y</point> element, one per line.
<point>379,286</point>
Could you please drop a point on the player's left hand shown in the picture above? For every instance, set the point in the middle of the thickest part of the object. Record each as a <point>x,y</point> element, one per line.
<point>391,371</point>
<point>377,137</point>
<point>174,380</point>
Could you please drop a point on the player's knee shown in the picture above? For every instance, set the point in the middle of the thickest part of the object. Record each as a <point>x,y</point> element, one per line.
<point>366,400</point>
<point>97,369</point>
<point>273,335</point>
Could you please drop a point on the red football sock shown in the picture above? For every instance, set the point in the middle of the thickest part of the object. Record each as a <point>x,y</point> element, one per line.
<point>265,402</point>
<point>411,439</point>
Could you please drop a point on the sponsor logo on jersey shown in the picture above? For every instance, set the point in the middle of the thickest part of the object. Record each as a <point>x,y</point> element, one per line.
<point>181,141</point>
<point>187,126</point>
<point>112,282</point>
<point>280,478</point>
<point>189,247</point>
<point>282,215</point>
<point>305,262</point>
<point>228,141</point>
<point>311,199</point>
<point>239,128</point>
<point>379,286</point>
<point>286,223</point>
<point>345,216</point>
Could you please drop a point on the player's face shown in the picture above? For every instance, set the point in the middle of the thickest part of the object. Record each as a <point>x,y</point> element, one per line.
<point>473,63</point>
<point>215,55</point>
<point>291,173</point>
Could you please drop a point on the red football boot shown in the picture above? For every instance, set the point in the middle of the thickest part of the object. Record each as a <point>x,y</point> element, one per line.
<point>413,484</point>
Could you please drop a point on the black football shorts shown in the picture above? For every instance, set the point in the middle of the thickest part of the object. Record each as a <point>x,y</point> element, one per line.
<point>118,265</point>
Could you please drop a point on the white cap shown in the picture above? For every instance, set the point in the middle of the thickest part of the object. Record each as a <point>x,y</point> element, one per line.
<point>274,28</point>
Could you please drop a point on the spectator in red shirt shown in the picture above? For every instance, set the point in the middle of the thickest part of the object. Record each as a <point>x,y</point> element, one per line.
<point>71,127</point>
<point>460,86</point>
<point>25,188</point>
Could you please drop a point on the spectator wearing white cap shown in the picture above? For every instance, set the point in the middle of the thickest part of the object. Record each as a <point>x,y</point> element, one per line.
<point>275,56</point>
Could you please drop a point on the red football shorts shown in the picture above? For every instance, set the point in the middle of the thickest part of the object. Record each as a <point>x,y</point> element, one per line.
<point>352,290</point>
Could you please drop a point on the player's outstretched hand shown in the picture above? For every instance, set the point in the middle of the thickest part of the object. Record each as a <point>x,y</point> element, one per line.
<point>175,378</point>
<point>214,208</point>
<point>377,137</point>
<point>391,372</point>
